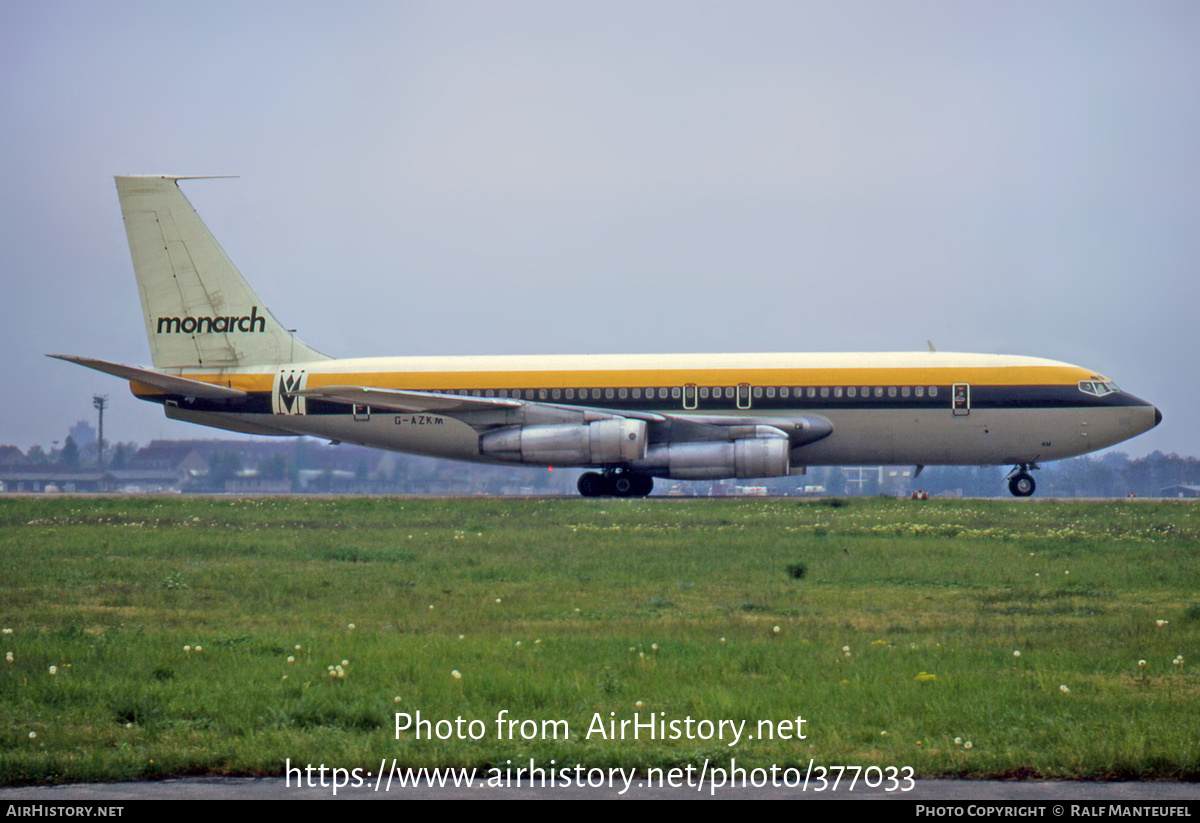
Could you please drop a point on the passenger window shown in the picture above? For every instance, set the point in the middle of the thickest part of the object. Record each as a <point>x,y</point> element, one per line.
<point>757,392</point>
<point>622,393</point>
<point>933,391</point>
<point>852,391</point>
<point>783,392</point>
<point>891,391</point>
<point>904,391</point>
<point>608,394</point>
<point>837,391</point>
<point>920,391</point>
<point>555,394</point>
<point>824,391</point>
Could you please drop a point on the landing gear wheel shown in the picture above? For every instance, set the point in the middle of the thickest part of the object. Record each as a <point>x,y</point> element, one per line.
<point>592,484</point>
<point>643,484</point>
<point>1021,484</point>
<point>623,485</point>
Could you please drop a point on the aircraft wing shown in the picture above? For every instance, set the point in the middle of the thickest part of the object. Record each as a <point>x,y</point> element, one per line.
<point>407,401</point>
<point>169,383</point>
<point>799,430</point>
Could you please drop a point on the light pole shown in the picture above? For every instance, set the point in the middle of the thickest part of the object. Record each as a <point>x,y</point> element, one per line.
<point>100,401</point>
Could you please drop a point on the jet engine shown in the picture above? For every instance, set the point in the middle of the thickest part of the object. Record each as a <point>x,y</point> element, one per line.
<point>602,442</point>
<point>747,457</point>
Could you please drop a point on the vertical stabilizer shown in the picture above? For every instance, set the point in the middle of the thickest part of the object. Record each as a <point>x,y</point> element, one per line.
<point>199,310</point>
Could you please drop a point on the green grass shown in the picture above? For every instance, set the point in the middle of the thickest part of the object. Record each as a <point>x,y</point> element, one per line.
<point>568,608</point>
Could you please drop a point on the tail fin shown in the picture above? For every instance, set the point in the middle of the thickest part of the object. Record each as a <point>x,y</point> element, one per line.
<point>199,309</point>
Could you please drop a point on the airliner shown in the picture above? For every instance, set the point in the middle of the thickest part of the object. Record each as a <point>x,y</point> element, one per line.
<point>221,358</point>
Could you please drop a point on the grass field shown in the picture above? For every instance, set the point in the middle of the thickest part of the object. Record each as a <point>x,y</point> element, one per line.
<point>171,636</point>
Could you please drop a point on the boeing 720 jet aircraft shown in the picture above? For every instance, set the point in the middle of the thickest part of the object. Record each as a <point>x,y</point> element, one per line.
<point>222,359</point>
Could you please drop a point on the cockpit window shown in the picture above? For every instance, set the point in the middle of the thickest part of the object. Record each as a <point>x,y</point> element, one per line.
<point>1098,388</point>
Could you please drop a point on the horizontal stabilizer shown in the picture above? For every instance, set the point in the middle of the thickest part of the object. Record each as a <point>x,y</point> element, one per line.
<point>168,383</point>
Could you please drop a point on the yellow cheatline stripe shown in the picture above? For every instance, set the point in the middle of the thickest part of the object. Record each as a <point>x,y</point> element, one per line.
<point>642,378</point>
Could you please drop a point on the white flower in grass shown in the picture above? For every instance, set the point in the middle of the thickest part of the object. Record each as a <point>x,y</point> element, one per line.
<point>775,630</point>
<point>958,741</point>
<point>54,670</point>
<point>1141,664</point>
<point>345,662</point>
<point>1017,653</point>
<point>187,649</point>
<point>7,631</point>
<point>653,647</point>
<point>1063,688</point>
<point>351,627</point>
<point>967,745</point>
<point>456,674</point>
<point>32,735</point>
<point>291,659</point>
<point>296,647</point>
<point>396,699</point>
<point>8,656</point>
<point>461,636</point>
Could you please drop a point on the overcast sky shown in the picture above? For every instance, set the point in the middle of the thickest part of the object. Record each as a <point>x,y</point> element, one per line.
<point>559,177</point>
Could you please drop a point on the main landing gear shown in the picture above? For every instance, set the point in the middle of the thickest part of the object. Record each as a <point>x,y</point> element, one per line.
<point>1021,483</point>
<point>615,483</point>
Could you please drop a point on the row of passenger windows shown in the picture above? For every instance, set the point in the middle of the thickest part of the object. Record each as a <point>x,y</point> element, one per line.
<point>705,392</point>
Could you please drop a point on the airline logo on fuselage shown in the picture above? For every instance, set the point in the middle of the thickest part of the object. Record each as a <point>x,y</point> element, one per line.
<point>251,322</point>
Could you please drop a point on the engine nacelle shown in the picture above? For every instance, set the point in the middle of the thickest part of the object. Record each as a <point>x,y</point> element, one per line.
<point>604,442</point>
<point>749,457</point>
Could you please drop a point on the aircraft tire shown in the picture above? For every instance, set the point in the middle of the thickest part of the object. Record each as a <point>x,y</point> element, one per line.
<point>624,485</point>
<point>643,484</point>
<point>592,484</point>
<point>1021,484</point>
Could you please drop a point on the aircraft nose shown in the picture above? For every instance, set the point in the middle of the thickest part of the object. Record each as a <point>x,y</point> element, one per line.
<point>1157,416</point>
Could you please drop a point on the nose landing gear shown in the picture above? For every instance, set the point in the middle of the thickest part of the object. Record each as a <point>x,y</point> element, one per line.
<point>1021,484</point>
